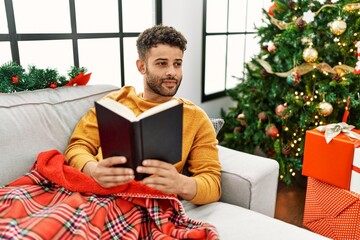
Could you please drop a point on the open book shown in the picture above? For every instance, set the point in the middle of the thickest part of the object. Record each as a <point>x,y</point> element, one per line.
<point>154,134</point>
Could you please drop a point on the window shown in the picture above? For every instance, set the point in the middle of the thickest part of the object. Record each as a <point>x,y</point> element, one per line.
<point>228,42</point>
<point>98,35</point>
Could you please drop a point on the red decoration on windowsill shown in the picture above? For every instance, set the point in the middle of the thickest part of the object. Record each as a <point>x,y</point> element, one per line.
<point>81,79</point>
<point>53,85</point>
<point>14,79</point>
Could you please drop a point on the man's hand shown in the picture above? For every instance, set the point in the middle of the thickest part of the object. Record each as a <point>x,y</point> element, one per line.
<point>108,176</point>
<point>165,177</point>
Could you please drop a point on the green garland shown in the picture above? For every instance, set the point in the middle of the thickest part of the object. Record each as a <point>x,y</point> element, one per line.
<point>14,78</point>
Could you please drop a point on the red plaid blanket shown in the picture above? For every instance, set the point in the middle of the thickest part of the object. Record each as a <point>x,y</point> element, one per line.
<point>55,201</point>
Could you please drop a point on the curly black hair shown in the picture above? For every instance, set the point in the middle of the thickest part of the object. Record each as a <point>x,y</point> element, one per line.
<point>159,34</point>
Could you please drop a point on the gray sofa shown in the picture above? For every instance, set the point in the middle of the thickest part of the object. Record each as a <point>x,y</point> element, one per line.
<point>32,122</point>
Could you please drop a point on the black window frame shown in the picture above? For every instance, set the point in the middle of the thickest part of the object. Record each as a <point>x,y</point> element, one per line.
<point>13,37</point>
<point>219,94</point>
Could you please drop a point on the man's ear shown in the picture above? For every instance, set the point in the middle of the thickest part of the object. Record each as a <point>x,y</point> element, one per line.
<point>141,66</point>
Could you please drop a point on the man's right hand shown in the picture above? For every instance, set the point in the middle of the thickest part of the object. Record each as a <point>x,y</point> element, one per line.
<point>106,175</point>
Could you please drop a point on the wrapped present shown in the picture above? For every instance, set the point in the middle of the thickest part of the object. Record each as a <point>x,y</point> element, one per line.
<point>331,211</point>
<point>332,155</point>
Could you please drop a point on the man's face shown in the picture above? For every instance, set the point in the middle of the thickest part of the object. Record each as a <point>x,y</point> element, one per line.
<point>163,70</point>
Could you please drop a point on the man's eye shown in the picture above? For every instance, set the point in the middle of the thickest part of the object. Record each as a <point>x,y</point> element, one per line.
<point>161,63</point>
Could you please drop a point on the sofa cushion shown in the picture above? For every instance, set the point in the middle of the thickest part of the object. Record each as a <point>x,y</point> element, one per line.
<point>32,122</point>
<point>236,223</point>
<point>217,123</point>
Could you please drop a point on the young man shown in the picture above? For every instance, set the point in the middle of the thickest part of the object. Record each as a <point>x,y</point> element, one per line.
<point>160,50</point>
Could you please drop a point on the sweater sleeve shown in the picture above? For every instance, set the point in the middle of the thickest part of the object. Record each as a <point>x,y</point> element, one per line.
<point>84,143</point>
<point>202,159</point>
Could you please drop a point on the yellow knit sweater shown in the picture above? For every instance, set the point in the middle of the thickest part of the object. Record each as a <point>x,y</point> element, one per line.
<point>199,143</point>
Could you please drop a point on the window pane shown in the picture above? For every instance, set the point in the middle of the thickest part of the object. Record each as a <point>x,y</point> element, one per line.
<point>237,15</point>
<point>3,21</point>
<point>42,16</point>
<point>132,75</point>
<point>244,17</point>
<point>135,18</point>
<point>97,16</point>
<point>101,58</point>
<point>56,54</point>
<point>252,46</point>
<point>215,64</point>
<point>5,51</point>
<point>216,16</point>
<point>235,60</point>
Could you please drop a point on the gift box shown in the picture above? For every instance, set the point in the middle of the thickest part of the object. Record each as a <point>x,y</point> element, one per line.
<point>331,211</point>
<point>335,161</point>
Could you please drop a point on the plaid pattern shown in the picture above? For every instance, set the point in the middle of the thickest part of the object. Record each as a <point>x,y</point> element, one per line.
<point>36,207</point>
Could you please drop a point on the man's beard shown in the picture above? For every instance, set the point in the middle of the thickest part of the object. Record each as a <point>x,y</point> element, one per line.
<point>155,84</point>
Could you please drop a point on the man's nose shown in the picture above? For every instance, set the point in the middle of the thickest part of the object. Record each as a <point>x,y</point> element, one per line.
<point>170,71</point>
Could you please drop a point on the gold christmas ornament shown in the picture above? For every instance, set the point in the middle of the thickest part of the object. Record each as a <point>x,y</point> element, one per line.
<point>352,6</point>
<point>310,54</point>
<point>325,108</point>
<point>338,27</point>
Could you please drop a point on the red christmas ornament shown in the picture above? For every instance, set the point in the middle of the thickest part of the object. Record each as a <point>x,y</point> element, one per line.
<point>53,85</point>
<point>271,48</point>
<point>14,79</point>
<point>271,130</point>
<point>241,119</point>
<point>271,9</point>
<point>262,116</point>
<point>236,129</point>
<point>279,111</point>
<point>271,153</point>
<point>291,5</point>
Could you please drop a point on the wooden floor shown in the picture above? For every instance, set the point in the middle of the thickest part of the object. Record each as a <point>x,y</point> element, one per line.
<point>290,203</point>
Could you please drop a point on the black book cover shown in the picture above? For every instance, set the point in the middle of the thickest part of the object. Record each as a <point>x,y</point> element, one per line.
<point>158,136</point>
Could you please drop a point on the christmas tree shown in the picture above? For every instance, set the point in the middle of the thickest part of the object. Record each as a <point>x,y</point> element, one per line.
<point>306,75</point>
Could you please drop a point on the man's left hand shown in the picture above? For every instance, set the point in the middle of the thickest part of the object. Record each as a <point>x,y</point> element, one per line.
<point>164,177</point>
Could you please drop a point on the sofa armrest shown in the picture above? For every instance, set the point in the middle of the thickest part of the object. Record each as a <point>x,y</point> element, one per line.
<point>249,181</point>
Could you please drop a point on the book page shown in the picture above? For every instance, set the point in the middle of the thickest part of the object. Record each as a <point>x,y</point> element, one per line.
<point>158,108</point>
<point>118,108</point>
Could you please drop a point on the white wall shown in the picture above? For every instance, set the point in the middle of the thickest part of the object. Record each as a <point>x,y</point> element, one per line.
<point>186,16</point>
